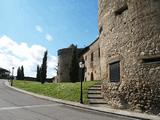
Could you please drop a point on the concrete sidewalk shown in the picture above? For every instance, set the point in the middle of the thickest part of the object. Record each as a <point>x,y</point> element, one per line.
<point>142,116</point>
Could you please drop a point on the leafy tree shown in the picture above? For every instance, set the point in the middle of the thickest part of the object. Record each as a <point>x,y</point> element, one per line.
<point>44,68</point>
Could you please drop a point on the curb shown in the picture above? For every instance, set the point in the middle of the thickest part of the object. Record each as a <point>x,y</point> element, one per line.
<point>98,109</point>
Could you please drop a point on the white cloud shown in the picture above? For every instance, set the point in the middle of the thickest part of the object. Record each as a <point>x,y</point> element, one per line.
<point>39,28</point>
<point>48,37</point>
<point>14,54</point>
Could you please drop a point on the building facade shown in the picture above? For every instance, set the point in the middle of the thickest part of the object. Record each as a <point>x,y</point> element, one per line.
<point>4,74</point>
<point>126,55</point>
<point>92,62</point>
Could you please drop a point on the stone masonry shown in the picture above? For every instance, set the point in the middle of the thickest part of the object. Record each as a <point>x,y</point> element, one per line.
<point>130,35</point>
<point>126,55</point>
<point>92,61</point>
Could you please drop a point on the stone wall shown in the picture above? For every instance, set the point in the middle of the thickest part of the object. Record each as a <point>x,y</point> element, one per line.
<point>126,56</point>
<point>130,33</point>
<point>92,71</point>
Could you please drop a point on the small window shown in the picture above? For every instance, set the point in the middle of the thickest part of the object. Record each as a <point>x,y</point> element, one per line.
<point>85,57</point>
<point>121,10</point>
<point>99,53</point>
<point>100,30</point>
<point>92,76</point>
<point>85,69</point>
<point>114,69</point>
<point>152,60</point>
<point>92,56</point>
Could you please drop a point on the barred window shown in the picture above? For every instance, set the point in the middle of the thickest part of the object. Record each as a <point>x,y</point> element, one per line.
<point>114,69</point>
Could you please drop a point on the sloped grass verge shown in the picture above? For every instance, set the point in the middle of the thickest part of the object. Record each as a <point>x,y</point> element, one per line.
<point>65,91</point>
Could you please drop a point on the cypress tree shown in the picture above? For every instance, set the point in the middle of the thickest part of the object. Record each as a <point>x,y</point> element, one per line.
<point>22,73</point>
<point>74,66</point>
<point>38,76</point>
<point>18,73</point>
<point>44,68</point>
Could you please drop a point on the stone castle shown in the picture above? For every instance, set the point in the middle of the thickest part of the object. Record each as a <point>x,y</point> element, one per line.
<point>126,55</point>
<point>68,69</point>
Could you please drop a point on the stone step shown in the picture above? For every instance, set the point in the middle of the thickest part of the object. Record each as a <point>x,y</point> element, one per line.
<point>95,96</point>
<point>94,92</point>
<point>97,101</point>
<point>94,88</point>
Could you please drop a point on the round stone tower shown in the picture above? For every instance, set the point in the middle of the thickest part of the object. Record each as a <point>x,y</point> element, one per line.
<point>68,69</point>
<point>129,34</point>
<point>64,63</point>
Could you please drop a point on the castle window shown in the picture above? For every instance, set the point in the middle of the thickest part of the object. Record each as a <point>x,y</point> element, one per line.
<point>100,30</point>
<point>92,76</point>
<point>121,9</point>
<point>92,56</point>
<point>99,54</point>
<point>85,69</point>
<point>86,57</point>
<point>151,60</point>
<point>114,69</point>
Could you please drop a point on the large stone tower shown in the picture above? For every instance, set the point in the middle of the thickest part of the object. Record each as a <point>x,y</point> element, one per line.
<point>129,39</point>
<point>68,69</point>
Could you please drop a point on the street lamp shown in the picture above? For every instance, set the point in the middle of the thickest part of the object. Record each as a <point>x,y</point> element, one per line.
<point>81,65</point>
<point>12,76</point>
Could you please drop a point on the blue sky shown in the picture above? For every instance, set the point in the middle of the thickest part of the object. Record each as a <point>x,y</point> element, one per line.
<point>51,24</point>
<point>67,21</point>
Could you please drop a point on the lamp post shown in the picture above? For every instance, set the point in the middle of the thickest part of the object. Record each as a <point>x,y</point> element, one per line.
<point>12,76</point>
<point>81,65</point>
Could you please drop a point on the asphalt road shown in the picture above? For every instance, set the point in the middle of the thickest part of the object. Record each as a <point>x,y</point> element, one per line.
<point>15,105</point>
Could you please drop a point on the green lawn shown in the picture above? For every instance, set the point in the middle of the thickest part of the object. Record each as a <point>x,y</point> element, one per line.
<point>65,91</point>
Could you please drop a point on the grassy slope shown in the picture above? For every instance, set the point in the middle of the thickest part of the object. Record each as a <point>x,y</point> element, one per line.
<point>65,91</point>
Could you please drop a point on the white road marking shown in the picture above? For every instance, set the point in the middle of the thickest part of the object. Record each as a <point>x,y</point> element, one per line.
<point>29,106</point>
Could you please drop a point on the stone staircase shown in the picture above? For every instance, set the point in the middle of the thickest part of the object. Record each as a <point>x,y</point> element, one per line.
<point>94,96</point>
